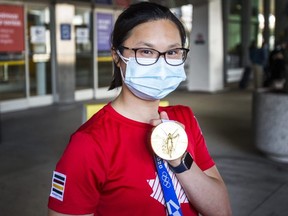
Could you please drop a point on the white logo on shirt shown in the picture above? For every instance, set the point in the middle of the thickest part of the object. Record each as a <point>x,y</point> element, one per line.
<point>157,190</point>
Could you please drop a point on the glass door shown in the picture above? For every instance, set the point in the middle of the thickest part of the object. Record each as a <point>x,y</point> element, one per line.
<point>104,23</point>
<point>38,20</point>
<point>84,66</point>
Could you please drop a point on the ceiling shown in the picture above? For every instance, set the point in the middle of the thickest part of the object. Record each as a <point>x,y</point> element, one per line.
<point>167,3</point>
<point>177,3</point>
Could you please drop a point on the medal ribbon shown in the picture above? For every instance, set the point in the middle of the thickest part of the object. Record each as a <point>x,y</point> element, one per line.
<point>172,203</point>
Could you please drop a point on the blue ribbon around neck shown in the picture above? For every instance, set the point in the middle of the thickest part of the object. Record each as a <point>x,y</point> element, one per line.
<point>172,203</point>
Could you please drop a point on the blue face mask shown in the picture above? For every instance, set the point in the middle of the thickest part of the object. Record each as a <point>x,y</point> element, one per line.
<point>152,82</point>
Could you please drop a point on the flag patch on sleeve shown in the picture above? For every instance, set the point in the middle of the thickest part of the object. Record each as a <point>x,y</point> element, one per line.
<point>58,185</point>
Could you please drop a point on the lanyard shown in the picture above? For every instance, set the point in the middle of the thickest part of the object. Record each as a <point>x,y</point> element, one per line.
<point>172,203</point>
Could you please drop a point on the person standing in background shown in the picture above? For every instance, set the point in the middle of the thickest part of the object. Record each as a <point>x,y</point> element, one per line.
<point>257,58</point>
<point>277,66</point>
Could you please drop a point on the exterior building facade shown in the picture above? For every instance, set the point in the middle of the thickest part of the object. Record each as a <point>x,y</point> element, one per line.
<point>59,51</point>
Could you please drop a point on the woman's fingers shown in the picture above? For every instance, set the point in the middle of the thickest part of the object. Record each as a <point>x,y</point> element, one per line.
<point>163,115</point>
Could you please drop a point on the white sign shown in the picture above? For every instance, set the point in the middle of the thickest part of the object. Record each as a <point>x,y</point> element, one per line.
<point>38,34</point>
<point>82,35</point>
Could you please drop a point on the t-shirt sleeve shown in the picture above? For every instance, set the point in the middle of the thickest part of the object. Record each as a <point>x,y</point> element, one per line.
<point>201,154</point>
<point>78,177</point>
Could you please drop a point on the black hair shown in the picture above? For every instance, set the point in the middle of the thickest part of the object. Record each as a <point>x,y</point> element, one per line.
<point>133,16</point>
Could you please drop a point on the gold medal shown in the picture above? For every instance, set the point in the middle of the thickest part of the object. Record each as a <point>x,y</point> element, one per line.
<point>169,140</point>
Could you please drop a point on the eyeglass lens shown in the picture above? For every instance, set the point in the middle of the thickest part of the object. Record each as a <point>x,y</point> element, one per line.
<point>172,57</point>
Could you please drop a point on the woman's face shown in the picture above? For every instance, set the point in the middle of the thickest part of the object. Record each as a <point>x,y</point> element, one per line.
<point>161,35</point>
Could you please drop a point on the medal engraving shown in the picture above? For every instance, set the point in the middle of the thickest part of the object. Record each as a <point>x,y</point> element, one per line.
<point>168,144</point>
<point>169,140</point>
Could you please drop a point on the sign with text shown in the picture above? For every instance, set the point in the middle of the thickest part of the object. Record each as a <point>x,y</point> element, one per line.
<point>104,28</point>
<point>11,28</point>
<point>65,29</point>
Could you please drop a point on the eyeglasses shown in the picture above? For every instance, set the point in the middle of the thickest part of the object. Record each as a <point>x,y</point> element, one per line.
<point>147,56</point>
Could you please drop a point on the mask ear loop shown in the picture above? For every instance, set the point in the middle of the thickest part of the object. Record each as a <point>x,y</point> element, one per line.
<point>125,60</point>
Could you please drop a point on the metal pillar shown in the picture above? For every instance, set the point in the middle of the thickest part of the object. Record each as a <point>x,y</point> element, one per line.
<point>245,31</point>
<point>266,32</point>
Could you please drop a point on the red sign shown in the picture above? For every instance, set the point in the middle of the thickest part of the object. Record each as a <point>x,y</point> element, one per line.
<point>11,28</point>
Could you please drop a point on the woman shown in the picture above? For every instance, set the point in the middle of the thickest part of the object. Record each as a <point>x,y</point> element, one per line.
<point>109,168</point>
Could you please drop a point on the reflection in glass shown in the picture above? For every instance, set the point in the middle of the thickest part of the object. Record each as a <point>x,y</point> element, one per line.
<point>39,51</point>
<point>105,68</point>
<point>235,25</point>
<point>12,58</point>
<point>12,76</point>
<point>84,66</point>
<point>104,26</point>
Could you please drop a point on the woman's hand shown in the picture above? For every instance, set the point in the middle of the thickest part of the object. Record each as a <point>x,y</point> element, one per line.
<point>163,115</point>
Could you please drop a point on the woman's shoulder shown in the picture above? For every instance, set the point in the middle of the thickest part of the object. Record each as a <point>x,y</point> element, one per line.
<point>97,122</point>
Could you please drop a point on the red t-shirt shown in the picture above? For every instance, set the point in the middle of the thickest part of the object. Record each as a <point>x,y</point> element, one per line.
<point>108,167</point>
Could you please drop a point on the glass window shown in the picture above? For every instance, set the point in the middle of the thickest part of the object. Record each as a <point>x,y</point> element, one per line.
<point>84,66</point>
<point>104,24</point>
<point>234,34</point>
<point>234,43</point>
<point>12,58</point>
<point>39,50</point>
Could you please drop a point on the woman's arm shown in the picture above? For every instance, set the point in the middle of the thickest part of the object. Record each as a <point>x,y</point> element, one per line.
<point>206,190</point>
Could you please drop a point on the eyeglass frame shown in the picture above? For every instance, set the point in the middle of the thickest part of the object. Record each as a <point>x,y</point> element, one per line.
<point>159,54</point>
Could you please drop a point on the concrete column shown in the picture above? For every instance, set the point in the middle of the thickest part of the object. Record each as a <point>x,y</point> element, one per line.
<point>205,72</point>
<point>65,48</point>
